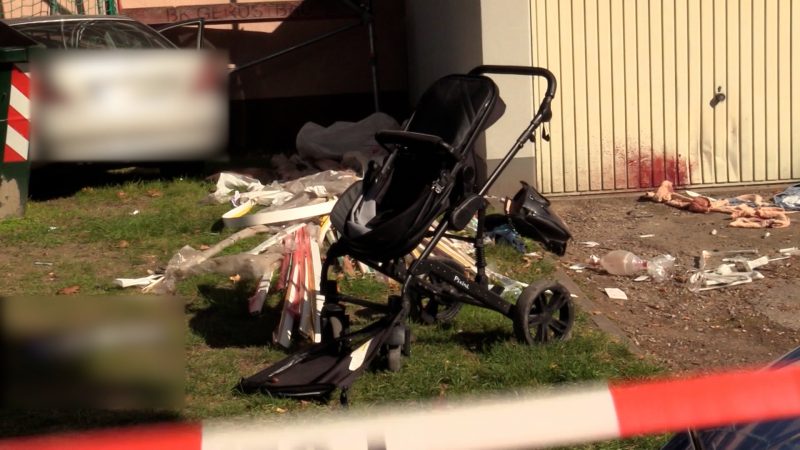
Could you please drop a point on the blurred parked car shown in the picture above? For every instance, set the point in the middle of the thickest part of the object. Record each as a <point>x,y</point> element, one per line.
<point>774,434</point>
<point>114,89</point>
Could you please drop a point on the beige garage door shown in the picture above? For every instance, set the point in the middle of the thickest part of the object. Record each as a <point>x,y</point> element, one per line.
<point>699,92</point>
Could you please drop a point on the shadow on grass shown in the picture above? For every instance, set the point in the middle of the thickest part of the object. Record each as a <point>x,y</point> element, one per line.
<point>15,423</point>
<point>482,341</point>
<point>475,341</point>
<point>63,180</point>
<point>226,323</point>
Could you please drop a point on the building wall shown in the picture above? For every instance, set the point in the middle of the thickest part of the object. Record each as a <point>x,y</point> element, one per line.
<point>453,36</point>
<point>637,81</point>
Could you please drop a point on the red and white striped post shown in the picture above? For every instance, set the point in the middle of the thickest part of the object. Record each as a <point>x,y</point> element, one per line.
<point>559,417</point>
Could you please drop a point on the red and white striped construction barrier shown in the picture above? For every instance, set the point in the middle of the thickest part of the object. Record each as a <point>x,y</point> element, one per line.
<point>561,417</point>
<point>18,131</point>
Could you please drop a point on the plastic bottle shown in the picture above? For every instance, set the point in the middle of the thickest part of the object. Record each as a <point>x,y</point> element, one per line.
<point>622,262</point>
<point>659,268</point>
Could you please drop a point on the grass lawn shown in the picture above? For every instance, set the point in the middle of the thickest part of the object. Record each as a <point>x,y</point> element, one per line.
<point>93,236</point>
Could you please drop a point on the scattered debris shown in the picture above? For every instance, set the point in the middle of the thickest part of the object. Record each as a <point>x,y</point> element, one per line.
<point>292,250</point>
<point>240,219</point>
<point>641,278</point>
<point>577,267</point>
<point>292,193</point>
<point>506,234</point>
<point>589,244</point>
<point>714,232</point>
<point>623,262</point>
<point>789,199</point>
<point>256,301</point>
<point>143,281</point>
<point>706,255</point>
<point>643,236</point>
<point>69,290</point>
<point>134,212</point>
<point>746,211</point>
<point>300,199</point>
<point>615,294</point>
<point>123,244</point>
<point>42,263</point>
<point>779,258</point>
<point>734,270</point>
<point>349,143</point>
<point>52,228</point>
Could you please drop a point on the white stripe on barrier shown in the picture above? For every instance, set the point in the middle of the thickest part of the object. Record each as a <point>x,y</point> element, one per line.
<point>561,417</point>
<point>17,142</point>
<point>21,103</point>
<point>542,420</point>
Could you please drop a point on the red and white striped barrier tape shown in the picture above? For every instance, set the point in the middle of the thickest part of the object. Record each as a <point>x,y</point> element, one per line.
<point>559,418</point>
<point>18,131</point>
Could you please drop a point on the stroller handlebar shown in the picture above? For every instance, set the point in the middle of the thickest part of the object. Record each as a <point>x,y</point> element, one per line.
<point>544,108</point>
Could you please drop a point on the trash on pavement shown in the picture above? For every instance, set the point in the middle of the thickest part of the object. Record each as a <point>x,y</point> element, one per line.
<point>734,270</point>
<point>589,244</point>
<point>615,294</point>
<point>746,211</point>
<point>789,199</point>
<point>143,281</point>
<point>623,262</point>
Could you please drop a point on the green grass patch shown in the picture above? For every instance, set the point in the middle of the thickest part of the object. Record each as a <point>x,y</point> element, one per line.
<point>93,237</point>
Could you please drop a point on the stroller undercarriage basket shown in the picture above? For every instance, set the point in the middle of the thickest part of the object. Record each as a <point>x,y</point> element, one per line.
<point>432,173</point>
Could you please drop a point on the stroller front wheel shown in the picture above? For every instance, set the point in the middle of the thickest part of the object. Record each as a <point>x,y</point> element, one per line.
<point>543,313</point>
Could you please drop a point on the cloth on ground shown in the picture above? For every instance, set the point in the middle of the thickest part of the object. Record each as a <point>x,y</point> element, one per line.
<point>747,211</point>
<point>351,143</point>
<point>789,199</point>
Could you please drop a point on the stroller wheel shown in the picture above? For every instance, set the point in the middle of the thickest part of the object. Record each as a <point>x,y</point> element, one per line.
<point>394,358</point>
<point>543,313</point>
<point>430,308</point>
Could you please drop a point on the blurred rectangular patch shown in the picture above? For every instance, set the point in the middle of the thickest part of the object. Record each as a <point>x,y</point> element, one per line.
<point>104,352</point>
<point>128,105</point>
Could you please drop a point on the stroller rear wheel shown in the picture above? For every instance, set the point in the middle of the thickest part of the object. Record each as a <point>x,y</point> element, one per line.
<point>543,313</point>
<point>428,307</point>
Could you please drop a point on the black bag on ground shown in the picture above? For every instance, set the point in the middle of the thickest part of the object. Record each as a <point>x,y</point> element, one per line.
<point>531,216</point>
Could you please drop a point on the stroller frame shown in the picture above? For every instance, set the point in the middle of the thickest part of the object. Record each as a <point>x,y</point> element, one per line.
<point>546,306</point>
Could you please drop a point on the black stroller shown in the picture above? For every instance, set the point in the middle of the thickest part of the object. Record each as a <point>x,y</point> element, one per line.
<point>432,173</point>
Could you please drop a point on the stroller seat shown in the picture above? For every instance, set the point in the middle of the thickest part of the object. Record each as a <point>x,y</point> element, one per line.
<point>432,165</point>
